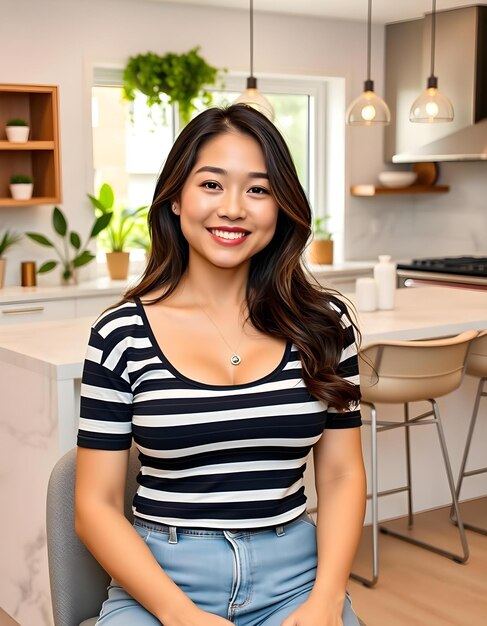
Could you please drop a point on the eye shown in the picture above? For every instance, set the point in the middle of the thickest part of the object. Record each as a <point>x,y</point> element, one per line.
<point>259,190</point>
<point>211,184</point>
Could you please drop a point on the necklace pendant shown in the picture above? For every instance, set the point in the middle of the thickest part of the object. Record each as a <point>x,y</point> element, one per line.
<point>235,359</point>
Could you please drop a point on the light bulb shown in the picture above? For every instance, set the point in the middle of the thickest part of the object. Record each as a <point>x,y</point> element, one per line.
<point>368,113</point>
<point>431,109</point>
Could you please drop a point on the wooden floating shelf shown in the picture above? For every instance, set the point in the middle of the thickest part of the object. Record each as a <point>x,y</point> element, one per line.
<point>28,145</point>
<point>372,190</point>
<point>29,202</point>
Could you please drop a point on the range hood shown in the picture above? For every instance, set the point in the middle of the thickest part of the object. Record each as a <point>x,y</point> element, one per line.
<point>461,67</point>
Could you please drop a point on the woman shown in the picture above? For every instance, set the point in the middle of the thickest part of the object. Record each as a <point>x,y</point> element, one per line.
<point>226,366</point>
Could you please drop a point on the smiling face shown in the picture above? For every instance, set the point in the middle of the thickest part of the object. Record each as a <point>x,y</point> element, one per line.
<point>226,208</point>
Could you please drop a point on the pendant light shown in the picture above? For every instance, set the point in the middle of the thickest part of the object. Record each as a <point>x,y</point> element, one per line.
<point>432,106</point>
<point>252,96</point>
<point>368,109</point>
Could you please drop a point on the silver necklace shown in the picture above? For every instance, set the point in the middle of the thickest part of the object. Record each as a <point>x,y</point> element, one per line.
<point>235,358</point>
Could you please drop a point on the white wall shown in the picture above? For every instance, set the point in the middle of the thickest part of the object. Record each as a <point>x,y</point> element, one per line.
<point>61,40</point>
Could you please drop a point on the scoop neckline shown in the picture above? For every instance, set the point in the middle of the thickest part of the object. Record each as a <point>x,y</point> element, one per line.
<point>157,348</point>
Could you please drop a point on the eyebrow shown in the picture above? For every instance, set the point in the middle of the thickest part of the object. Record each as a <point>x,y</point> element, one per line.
<point>219,170</point>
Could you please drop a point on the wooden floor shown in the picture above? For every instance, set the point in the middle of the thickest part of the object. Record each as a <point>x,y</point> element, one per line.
<point>419,588</point>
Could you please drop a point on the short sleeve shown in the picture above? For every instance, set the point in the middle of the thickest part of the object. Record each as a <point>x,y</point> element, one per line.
<point>348,370</point>
<point>106,396</point>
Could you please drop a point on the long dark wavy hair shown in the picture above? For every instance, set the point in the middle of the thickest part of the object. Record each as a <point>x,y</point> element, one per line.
<point>282,301</point>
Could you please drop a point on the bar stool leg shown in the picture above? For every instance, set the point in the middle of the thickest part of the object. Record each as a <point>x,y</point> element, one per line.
<point>462,473</point>
<point>370,582</point>
<point>408,466</point>
<point>451,555</point>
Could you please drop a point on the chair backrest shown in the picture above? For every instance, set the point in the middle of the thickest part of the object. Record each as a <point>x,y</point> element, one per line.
<point>407,371</point>
<point>78,582</point>
<point>477,356</point>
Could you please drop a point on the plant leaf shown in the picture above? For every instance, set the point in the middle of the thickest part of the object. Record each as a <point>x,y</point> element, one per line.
<point>97,204</point>
<point>47,267</point>
<point>82,259</point>
<point>44,241</point>
<point>59,222</point>
<point>75,240</point>
<point>106,196</point>
<point>101,223</point>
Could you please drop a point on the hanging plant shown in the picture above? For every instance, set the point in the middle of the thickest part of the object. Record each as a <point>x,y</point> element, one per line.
<point>181,77</point>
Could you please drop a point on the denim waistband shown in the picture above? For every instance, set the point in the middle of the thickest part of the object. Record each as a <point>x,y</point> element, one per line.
<point>213,532</point>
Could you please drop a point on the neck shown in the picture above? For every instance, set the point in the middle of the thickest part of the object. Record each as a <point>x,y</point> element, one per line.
<point>216,288</point>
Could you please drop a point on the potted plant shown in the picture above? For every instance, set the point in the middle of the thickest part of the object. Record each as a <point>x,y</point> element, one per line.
<point>8,240</point>
<point>17,130</point>
<point>72,253</point>
<point>117,237</point>
<point>182,77</point>
<point>321,247</point>
<point>21,187</point>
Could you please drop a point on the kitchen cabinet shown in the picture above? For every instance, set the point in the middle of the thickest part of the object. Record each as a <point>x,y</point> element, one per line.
<point>39,157</point>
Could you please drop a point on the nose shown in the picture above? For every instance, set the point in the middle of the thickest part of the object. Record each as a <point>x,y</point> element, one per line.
<point>232,206</point>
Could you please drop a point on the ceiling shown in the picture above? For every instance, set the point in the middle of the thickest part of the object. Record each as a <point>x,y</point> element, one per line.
<point>383,11</point>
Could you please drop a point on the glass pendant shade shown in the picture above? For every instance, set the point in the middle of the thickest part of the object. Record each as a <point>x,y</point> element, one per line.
<point>253,98</point>
<point>368,109</point>
<point>431,106</point>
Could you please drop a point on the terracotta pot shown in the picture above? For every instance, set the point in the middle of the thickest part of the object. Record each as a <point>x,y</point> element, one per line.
<point>3,264</point>
<point>118,265</point>
<point>321,252</point>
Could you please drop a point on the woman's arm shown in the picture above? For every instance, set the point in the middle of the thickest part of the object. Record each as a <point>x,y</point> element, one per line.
<point>341,490</point>
<point>102,526</point>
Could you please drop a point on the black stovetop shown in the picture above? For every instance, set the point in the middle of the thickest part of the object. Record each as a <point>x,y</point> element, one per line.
<point>459,265</point>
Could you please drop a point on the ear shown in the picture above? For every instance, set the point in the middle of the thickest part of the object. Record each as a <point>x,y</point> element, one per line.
<point>175,207</point>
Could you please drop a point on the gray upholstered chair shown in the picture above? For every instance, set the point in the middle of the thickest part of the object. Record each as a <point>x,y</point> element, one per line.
<point>78,582</point>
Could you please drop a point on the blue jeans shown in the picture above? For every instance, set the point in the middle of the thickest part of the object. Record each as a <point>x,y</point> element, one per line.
<point>250,577</point>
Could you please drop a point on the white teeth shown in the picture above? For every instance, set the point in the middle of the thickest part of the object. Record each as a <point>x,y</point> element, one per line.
<point>225,234</point>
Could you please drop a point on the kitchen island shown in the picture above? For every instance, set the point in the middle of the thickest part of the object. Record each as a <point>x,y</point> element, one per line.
<point>40,371</point>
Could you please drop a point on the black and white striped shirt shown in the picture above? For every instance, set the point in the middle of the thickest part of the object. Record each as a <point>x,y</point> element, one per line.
<point>213,456</point>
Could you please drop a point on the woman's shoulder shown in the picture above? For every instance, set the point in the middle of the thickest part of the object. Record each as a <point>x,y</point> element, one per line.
<point>123,315</point>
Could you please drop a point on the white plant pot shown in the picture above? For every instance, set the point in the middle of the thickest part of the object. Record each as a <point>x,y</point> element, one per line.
<point>21,191</point>
<point>17,134</point>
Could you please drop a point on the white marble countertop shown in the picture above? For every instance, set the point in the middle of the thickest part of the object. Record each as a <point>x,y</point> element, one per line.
<point>105,286</point>
<point>86,289</point>
<point>57,348</point>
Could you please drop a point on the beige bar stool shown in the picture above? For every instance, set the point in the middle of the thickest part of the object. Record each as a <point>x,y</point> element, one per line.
<point>476,366</point>
<point>400,372</point>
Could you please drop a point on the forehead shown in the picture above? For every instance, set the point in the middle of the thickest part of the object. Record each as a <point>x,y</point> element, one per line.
<point>233,148</point>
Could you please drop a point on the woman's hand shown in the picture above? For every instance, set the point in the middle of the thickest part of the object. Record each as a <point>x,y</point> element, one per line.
<point>316,612</point>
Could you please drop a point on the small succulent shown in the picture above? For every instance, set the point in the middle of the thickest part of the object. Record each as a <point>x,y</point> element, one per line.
<point>9,239</point>
<point>16,121</point>
<point>20,179</point>
<point>320,230</point>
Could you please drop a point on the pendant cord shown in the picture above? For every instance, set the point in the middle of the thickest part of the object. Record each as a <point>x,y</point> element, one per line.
<point>433,36</point>
<point>252,38</point>
<point>369,32</point>
<point>234,352</point>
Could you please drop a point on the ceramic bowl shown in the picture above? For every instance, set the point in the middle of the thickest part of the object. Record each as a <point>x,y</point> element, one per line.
<point>397,179</point>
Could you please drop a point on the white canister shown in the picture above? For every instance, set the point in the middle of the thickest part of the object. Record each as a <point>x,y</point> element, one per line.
<point>365,294</point>
<point>385,277</point>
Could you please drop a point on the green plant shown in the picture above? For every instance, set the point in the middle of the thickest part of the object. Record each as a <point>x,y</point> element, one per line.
<point>72,254</point>
<point>8,240</point>
<point>320,231</point>
<point>181,77</point>
<point>20,179</point>
<point>16,121</point>
<point>124,220</point>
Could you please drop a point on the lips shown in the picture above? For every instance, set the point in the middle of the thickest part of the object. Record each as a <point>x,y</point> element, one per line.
<point>229,233</point>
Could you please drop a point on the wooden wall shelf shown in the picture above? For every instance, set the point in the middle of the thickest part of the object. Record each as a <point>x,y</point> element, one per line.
<point>40,156</point>
<point>372,190</point>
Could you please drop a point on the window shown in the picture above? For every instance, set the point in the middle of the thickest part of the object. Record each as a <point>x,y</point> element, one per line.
<point>130,142</point>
